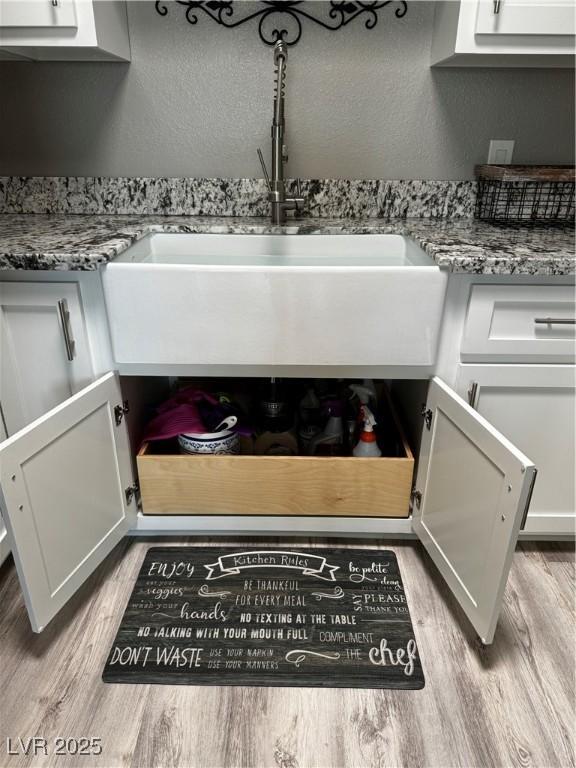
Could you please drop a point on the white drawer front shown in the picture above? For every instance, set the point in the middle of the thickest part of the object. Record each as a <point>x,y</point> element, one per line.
<point>520,323</point>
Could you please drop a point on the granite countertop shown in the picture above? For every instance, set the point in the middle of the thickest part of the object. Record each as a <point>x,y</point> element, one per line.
<point>77,242</point>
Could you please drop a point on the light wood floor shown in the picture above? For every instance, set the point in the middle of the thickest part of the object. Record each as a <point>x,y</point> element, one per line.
<point>509,705</point>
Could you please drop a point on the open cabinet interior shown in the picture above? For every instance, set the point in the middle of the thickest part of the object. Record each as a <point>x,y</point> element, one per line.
<point>294,455</point>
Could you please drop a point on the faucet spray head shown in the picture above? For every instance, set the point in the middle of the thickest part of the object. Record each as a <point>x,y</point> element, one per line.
<point>280,51</point>
<point>280,58</point>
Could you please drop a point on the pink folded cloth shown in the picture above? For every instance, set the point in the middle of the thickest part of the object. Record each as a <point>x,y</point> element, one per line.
<point>178,415</point>
<point>182,418</point>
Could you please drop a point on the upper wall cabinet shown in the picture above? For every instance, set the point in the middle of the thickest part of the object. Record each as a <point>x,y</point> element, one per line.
<point>504,33</point>
<point>39,13</point>
<point>64,30</point>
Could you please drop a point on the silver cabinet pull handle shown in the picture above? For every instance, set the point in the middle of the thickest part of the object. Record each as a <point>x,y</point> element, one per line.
<point>66,329</point>
<point>555,320</point>
<point>473,393</point>
<point>496,6</point>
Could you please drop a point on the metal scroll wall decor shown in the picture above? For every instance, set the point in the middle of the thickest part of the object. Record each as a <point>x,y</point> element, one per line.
<point>283,19</point>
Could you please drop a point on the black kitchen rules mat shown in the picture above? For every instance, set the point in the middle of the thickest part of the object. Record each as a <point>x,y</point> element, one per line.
<point>287,616</point>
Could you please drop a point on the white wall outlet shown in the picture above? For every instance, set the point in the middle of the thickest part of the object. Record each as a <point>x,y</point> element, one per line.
<point>500,152</point>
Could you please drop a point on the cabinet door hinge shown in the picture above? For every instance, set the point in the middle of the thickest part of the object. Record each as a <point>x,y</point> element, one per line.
<point>120,411</point>
<point>130,492</point>
<point>416,497</point>
<point>427,416</point>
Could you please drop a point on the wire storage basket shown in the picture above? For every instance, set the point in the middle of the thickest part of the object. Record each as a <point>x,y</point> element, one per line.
<point>525,193</point>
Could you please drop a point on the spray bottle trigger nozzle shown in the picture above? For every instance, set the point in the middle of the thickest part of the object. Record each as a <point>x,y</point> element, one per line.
<point>368,419</point>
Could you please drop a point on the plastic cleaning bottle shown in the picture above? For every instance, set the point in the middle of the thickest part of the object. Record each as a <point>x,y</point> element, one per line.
<point>330,441</point>
<point>364,393</point>
<point>361,395</point>
<point>367,445</point>
<point>369,385</point>
<point>309,408</point>
<point>309,419</point>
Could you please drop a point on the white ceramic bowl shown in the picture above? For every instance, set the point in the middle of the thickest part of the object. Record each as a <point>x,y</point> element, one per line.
<point>226,442</point>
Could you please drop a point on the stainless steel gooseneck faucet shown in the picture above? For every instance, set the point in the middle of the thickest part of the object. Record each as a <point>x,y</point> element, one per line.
<point>279,203</point>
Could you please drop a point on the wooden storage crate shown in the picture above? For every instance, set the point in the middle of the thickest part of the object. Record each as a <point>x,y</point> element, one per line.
<point>174,484</point>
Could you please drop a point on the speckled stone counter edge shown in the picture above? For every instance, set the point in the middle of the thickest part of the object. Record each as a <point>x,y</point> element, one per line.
<point>324,198</point>
<point>56,242</point>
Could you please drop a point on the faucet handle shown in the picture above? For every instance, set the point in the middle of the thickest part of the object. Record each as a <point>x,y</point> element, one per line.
<point>264,169</point>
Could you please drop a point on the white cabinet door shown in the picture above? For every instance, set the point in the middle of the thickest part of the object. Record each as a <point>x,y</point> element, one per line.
<point>4,546</point>
<point>44,354</point>
<point>38,13</point>
<point>472,489</point>
<point>525,17</point>
<point>535,407</point>
<point>63,482</point>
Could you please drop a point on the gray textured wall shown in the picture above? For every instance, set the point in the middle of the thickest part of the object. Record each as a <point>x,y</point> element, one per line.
<point>196,101</point>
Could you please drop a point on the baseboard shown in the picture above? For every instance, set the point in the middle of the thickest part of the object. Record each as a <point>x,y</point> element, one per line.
<point>549,527</point>
<point>539,527</point>
<point>255,525</point>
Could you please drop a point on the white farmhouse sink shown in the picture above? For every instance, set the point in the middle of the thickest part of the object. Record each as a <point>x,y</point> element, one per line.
<point>261,300</point>
<point>277,250</point>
